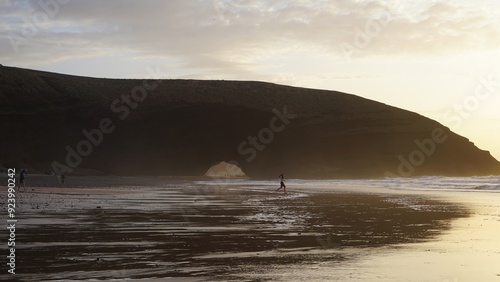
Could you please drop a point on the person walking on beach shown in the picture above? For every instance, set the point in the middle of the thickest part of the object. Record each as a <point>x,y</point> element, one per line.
<point>282,182</point>
<point>22,175</point>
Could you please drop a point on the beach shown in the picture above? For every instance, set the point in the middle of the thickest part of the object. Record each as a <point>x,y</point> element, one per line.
<point>151,229</point>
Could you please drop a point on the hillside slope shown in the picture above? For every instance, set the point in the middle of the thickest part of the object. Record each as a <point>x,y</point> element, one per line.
<point>182,127</point>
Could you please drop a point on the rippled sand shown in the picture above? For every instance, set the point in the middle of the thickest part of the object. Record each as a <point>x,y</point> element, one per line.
<point>102,228</point>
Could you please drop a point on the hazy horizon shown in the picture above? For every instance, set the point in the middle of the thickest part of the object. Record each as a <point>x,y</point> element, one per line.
<point>435,58</point>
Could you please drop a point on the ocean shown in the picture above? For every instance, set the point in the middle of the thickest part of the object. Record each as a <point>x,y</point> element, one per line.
<point>476,183</point>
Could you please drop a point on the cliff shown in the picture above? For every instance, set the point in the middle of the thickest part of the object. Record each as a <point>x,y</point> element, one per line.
<point>182,127</point>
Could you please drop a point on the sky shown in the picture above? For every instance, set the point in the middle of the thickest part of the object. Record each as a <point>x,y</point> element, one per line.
<point>437,58</point>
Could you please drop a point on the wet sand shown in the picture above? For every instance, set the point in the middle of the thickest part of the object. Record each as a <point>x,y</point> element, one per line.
<point>468,251</point>
<point>100,228</point>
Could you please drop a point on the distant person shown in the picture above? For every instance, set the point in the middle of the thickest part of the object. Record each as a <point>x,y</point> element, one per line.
<point>62,178</point>
<point>282,182</point>
<point>22,176</point>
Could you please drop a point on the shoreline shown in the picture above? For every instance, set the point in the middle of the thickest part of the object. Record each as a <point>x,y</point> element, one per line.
<point>224,232</point>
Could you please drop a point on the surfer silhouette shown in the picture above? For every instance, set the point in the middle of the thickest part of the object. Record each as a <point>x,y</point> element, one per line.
<point>282,182</point>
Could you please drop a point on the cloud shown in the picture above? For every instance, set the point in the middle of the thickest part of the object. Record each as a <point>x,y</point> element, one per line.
<point>223,35</point>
